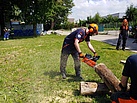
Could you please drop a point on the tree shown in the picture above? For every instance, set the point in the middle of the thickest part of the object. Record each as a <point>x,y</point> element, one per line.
<point>109,18</point>
<point>30,13</point>
<point>5,13</point>
<point>61,10</point>
<point>131,13</point>
<point>97,18</point>
<point>51,12</point>
<point>89,19</point>
<point>104,20</point>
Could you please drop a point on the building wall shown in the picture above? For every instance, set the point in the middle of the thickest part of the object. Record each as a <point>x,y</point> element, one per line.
<point>23,27</point>
<point>119,15</point>
<point>71,20</point>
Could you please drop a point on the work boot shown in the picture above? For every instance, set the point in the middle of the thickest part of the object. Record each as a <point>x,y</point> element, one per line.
<point>123,49</point>
<point>117,48</point>
<point>64,76</point>
<point>79,77</point>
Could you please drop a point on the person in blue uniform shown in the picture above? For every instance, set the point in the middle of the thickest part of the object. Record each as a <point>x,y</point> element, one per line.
<point>71,47</point>
<point>123,35</point>
<point>6,33</point>
<point>129,71</point>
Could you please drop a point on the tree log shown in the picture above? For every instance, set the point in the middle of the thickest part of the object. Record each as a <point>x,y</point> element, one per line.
<point>89,88</point>
<point>111,81</point>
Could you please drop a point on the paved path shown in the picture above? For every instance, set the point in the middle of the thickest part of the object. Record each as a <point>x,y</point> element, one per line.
<point>112,39</point>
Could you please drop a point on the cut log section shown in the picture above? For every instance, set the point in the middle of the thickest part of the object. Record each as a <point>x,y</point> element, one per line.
<point>89,88</point>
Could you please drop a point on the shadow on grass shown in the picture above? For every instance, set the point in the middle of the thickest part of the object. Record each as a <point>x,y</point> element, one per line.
<point>98,98</point>
<point>109,48</point>
<point>73,78</point>
<point>70,78</point>
<point>52,74</point>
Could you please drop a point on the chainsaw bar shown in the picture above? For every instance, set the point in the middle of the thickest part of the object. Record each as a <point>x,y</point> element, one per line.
<point>90,60</point>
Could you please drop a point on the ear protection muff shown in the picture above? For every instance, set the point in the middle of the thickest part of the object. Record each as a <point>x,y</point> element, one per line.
<point>91,30</point>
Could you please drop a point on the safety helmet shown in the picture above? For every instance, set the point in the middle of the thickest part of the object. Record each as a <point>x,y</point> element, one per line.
<point>93,28</point>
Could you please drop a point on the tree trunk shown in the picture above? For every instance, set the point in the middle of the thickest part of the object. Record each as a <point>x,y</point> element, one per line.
<point>35,29</point>
<point>2,17</point>
<point>52,24</point>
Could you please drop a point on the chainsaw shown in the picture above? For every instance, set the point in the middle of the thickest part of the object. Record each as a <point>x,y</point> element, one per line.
<point>90,60</point>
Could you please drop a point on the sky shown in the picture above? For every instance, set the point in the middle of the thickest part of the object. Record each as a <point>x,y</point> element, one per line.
<point>85,8</point>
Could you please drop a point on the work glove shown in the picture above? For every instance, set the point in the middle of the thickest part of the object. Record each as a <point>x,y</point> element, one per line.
<point>95,54</point>
<point>81,55</point>
<point>122,88</point>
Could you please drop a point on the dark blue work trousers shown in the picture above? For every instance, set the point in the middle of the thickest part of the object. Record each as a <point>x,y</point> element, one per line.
<point>122,38</point>
<point>63,61</point>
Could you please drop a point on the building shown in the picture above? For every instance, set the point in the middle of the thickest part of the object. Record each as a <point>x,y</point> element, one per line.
<point>119,15</point>
<point>71,20</point>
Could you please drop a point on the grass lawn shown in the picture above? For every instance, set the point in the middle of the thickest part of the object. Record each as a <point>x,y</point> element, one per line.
<point>29,71</point>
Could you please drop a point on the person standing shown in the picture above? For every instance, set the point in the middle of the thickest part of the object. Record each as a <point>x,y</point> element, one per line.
<point>123,35</point>
<point>71,47</point>
<point>6,33</point>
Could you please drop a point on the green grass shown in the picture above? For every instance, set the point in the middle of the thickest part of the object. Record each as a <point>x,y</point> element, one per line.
<point>29,71</point>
